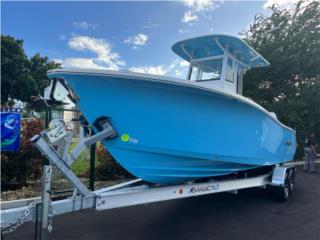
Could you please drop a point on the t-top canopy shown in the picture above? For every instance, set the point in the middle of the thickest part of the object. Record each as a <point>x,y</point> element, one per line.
<point>215,45</point>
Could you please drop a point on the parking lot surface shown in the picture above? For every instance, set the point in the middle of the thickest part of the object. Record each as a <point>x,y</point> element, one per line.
<point>252,214</point>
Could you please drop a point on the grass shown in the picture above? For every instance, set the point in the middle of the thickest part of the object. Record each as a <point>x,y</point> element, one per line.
<point>82,164</point>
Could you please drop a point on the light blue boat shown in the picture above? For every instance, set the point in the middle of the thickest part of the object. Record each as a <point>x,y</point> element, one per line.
<point>172,130</point>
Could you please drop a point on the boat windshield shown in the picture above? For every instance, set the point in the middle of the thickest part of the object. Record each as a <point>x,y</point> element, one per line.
<point>206,70</point>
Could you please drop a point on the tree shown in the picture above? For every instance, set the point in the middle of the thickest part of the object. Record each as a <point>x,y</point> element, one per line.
<point>22,78</point>
<point>38,72</point>
<point>14,69</point>
<point>290,41</point>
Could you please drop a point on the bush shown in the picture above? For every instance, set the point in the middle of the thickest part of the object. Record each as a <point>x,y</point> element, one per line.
<point>25,164</point>
<point>106,167</point>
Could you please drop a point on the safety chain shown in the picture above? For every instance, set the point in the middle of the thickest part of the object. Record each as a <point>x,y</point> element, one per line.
<point>13,225</point>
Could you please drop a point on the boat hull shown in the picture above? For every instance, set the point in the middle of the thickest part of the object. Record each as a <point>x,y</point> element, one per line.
<point>169,133</point>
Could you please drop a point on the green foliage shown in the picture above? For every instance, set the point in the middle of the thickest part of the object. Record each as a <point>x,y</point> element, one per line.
<point>82,164</point>
<point>107,167</point>
<point>26,163</point>
<point>38,72</point>
<point>14,69</point>
<point>290,87</point>
<point>21,77</point>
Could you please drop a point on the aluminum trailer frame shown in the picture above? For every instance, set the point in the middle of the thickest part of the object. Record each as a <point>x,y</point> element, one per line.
<point>121,195</point>
<point>137,192</point>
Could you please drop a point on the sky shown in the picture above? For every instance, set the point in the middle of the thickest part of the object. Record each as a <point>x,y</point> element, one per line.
<point>135,36</point>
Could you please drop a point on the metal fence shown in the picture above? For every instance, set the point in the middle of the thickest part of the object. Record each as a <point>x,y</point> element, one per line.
<point>22,170</point>
<point>81,166</point>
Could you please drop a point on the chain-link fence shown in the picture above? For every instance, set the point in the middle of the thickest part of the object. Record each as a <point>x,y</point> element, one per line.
<point>21,170</point>
<point>81,166</point>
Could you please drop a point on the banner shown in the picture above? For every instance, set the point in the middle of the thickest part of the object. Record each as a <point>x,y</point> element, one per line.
<point>10,129</point>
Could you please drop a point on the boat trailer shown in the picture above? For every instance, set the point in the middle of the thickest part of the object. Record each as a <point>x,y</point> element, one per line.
<point>54,143</point>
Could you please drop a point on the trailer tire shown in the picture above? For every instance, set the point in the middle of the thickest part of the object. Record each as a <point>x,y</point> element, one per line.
<point>282,193</point>
<point>292,174</point>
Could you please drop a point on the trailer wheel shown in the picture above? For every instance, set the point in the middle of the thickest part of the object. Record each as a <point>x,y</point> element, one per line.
<point>282,193</point>
<point>292,174</point>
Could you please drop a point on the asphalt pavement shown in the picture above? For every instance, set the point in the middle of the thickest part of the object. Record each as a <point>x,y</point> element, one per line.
<point>251,214</point>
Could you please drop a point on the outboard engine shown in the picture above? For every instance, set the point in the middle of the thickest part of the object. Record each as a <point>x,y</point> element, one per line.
<point>59,91</point>
<point>56,94</point>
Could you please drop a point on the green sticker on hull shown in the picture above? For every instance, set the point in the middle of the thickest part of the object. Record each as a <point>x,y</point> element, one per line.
<point>125,137</point>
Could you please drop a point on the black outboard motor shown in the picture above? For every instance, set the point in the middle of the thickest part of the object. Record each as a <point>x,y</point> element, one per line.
<point>55,94</point>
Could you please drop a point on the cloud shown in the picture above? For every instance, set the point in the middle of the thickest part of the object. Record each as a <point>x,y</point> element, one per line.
<point>57,60</point>
<point>150,25</point>
<point>189,17</point>
<point>199,5</point>
<point>157,70</point>
<point>281,3</point>
<point>176,68</point>
<point>105,58</point>
<point>183,63</point>
<point>198,8</point>
<point>183,31</point>
<point>83,25</point>
<point>138,40</point>
<point>62,37</point>
<point>81,63</point>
